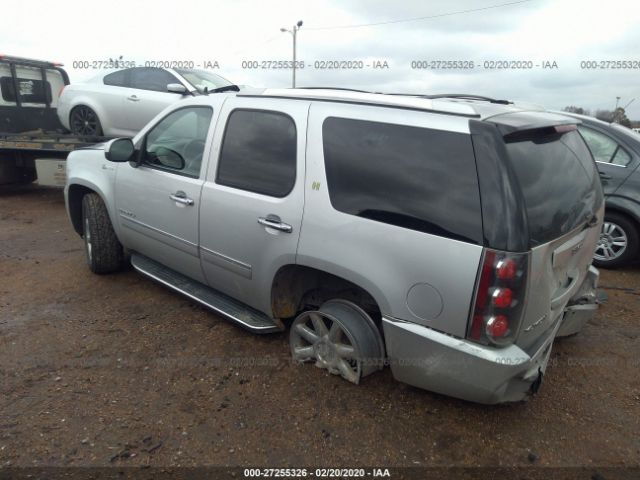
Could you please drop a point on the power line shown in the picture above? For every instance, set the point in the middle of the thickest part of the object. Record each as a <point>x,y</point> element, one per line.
<point>415,19</point>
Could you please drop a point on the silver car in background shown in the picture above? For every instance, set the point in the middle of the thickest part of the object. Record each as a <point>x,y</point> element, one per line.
<point>119,103</point>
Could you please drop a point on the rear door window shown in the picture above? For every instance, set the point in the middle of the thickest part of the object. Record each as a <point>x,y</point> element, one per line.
<point>621,158</point>
<point>416,178</point>
<point>117,79</point>
<point>559,182</point>
<point>259,152</point>
<point>604,148</point>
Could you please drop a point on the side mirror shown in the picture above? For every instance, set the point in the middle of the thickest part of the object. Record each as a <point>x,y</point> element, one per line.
<point>119,150</point>
<point>169,158</point>
<point>176,88</point>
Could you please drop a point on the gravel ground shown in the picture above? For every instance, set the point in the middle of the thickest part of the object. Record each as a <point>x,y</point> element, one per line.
<point>117,370</point>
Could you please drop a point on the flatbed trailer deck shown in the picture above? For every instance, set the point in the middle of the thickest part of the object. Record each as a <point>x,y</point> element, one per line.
<point>30,132</point>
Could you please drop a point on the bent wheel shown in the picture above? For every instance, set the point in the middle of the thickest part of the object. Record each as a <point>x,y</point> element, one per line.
<point>340,337</point>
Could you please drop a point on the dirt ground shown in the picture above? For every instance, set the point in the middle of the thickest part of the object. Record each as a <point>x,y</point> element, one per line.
<point>117,370</point>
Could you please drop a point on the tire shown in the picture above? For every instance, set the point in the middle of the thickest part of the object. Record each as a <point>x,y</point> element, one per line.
<point>620,228</point>
<point>339,337</point>
<point>103,250</point>
<point>84,122</point>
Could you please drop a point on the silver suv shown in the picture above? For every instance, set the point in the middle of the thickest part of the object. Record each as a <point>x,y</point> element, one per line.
<point>450,238</point>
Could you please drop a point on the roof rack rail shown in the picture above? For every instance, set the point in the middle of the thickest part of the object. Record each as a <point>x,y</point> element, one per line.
<point>348,95</point>
<point>465,96</point>
<point>226,88</point>
<point>336,88</point>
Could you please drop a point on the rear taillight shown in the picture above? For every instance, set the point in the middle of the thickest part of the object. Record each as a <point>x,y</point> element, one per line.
<point>499,297</point>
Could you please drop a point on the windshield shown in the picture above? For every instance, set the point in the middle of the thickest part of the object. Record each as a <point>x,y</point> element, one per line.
<point>201,79</point>
<point>559,181</point>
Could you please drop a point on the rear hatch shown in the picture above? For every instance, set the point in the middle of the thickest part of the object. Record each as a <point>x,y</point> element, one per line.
<point>556,205</point>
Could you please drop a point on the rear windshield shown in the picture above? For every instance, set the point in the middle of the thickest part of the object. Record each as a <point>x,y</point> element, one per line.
<point>559,182</point>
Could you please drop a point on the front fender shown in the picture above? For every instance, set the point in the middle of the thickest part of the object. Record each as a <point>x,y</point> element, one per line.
<point>89,169</point>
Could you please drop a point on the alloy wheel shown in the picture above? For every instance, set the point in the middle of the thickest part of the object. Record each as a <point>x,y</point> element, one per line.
<point>612,243</point>
<point>316,336</point>
<point>84,121</point>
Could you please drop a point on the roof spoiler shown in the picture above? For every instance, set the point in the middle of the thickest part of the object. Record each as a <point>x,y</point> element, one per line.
<point>520,125</point>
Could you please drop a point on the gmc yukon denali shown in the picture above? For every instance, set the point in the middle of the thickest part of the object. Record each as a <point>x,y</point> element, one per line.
<point>449,237</point>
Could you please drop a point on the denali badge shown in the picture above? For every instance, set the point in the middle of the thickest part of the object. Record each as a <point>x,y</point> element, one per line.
<point>575,249</point>
<point>127,213</point>
<point>537,322</point>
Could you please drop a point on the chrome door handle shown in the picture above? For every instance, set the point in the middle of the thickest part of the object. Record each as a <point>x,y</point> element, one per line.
<point>133,98</point>
<point>181,197</point>
<point>273,221</point>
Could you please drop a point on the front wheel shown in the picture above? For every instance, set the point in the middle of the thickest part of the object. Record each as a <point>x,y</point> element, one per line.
<point>103,249</point>
<point>618,243</point>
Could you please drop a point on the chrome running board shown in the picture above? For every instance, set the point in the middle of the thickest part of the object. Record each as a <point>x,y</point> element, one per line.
<point>245,316</point>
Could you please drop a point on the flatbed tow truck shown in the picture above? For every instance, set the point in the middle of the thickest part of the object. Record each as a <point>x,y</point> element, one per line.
<point>33,142</point>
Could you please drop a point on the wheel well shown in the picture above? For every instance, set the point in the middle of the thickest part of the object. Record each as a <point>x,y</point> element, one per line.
<point>86,105</point>
<point>76,192</point>
<point>296,288</point>
<point>74,108</point>
<point>625,214</point>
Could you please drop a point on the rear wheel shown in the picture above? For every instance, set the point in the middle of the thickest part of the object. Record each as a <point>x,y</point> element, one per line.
<point>618,243</point>
<point>104,251</point>
<point>339,337</point>
<point>85,122</point>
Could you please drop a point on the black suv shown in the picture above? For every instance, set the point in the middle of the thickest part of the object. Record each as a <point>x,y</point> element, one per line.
<point>616,150</point>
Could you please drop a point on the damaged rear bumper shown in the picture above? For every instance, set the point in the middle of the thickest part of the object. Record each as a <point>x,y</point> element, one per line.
<point>428,359</point>
<point>582,306</point>
<point>432,360</point>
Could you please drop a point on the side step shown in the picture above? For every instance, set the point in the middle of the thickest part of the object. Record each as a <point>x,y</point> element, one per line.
<point>232,309</point>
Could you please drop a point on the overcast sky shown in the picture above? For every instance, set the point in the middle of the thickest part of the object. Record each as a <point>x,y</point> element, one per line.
<point>230,32</point>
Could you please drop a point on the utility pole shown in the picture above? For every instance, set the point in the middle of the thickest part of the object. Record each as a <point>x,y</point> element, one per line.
<point>622,111</point>
<point>294,33</point>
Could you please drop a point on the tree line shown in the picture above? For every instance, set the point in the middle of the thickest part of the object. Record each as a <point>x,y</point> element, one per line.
<point>618,115</point>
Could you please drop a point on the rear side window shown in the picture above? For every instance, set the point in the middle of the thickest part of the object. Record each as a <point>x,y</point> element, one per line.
<point>411,177</point>
<point>621,158</point>
<point>116,79</point>
<point>559,182</point>
<point>259,152</point>
<point>604,148</point>
<point>155,79</point>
